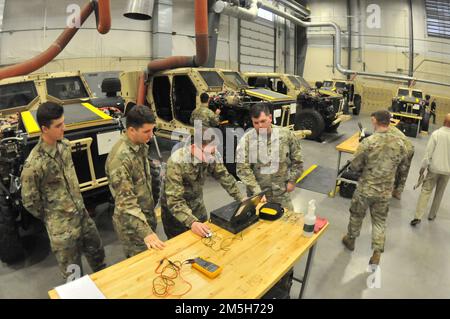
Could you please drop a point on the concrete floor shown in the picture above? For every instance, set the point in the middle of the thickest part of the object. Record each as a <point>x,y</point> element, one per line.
<point>416,263</point>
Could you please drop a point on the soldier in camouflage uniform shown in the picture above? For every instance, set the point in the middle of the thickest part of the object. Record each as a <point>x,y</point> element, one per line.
<point>51,193</point>
<point>182,206</point>
<point>128,171</point>
<point>203,114</point>
<point>378,158</point>
<point>400,178</point>
<point>269,159</point>
<point>273,170</point>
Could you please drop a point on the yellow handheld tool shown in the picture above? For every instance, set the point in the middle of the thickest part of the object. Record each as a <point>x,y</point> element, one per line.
<point>207,268</point>
<point>271,211</point>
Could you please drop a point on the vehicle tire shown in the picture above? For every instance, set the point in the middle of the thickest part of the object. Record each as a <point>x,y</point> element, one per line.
<point>155,171</point>
<point>357,104</point>
<point>11,248</point>
<point>425,124</point>
<point>332,128</point>
<point>309,119</point>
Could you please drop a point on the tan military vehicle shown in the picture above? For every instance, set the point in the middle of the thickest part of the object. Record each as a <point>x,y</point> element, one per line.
<point>347,89</point>
<point>317,110</point>
<point>407,104</point>
<point>91,127</point>
<point>174,94</point>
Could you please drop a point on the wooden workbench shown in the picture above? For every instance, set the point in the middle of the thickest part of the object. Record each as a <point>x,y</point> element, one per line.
<point>350,145</point>
<point>250,268</point>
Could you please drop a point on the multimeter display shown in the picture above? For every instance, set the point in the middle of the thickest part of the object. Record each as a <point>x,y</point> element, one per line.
<point>206,265</point>
<point>207,268</point>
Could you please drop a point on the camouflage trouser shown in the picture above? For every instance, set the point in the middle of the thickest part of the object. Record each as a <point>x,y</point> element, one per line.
<point>282,288</point>
<point>399,184</point>
<point>172,227</point>
<point>432,180</point>
<point>72,236</point>
<point>132,231</point>
<point>379,208</point>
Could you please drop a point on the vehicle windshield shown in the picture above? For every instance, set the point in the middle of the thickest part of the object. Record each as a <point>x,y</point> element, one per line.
<point>69,88</point>
<point>236,79</point>
<point>403,92</point>
<point>327,84</point>
<point>212,79</point>
<point>303,82</point>
<point>417,94</point>
<point>17,94</point>
<point>340,85</point>
<point>295,81</point>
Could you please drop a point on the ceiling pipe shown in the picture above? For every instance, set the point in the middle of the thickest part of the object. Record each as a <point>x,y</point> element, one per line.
<point>303,12</point>
<point>243,13</point>
<point>411,39</point>
<point>201,40</point>
<point>139,9</point>
<point>338,47</point>
<point>249,14</point>
<point>35,63</point>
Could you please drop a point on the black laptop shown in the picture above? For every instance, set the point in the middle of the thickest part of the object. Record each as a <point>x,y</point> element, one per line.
<point>237,216</point>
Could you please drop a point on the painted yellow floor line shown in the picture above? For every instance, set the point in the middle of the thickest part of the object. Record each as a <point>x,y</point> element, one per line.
<point>307,172</point>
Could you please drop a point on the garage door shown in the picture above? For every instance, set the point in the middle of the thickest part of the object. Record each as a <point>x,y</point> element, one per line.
<point>257,46</point>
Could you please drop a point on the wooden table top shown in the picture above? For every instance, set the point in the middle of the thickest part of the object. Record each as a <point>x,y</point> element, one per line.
<point>350,145</point>
<point>251,266</point>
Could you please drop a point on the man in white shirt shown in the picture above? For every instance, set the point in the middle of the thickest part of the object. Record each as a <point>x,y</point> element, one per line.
<point>437,160</point>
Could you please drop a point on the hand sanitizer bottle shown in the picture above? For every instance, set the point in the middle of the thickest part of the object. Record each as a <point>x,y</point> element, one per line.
<point>310,219</point>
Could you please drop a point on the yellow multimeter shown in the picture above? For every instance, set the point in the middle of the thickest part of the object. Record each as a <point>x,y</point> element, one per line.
<point>206,267</point>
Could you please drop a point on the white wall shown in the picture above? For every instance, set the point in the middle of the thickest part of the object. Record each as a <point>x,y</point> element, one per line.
<point>383,50</point>
<point>29,27</point>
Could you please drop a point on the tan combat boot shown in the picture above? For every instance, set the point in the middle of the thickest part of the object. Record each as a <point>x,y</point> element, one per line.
<point>349,242</point>
<point>375,259</point>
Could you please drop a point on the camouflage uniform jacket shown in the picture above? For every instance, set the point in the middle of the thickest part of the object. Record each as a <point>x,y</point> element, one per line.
<point>183,186</point>
<point>206,116</point>
<point>261,168</point>
<point>378,158</point>
<point>50,188</point>
<point>128,172</point>
<point>409,146</point>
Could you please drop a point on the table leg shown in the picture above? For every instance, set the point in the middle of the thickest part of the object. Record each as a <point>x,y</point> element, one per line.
<point>418,128</point>
<point>333,192</point>
<point>304,280</point>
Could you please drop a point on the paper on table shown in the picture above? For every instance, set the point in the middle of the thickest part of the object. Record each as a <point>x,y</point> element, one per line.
<point>83,288</point>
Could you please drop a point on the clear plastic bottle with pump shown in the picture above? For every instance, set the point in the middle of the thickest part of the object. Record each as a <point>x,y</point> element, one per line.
<point>310,219</point>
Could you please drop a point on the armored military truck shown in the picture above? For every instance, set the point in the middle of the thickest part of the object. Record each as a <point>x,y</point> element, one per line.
<point>346,88</point>
<point>174,94</point>
<point>317,110</point>
<point>410,101</point>
<point>92,131</point>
